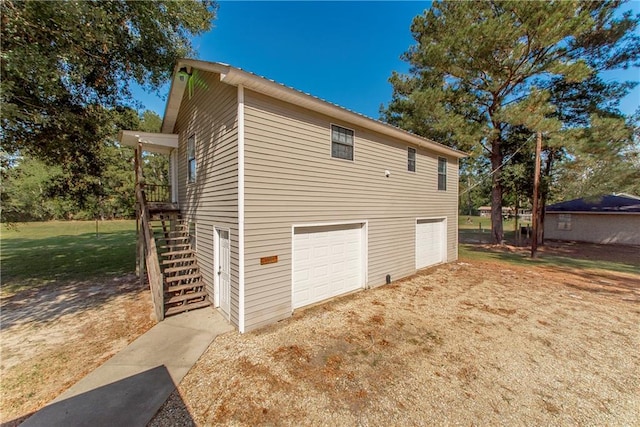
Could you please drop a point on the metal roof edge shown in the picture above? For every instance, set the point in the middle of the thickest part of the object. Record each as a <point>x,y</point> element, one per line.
<point>236,76</point>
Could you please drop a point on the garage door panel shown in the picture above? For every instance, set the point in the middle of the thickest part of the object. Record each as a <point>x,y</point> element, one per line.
<point>334,267</point>
<point>430,238</point>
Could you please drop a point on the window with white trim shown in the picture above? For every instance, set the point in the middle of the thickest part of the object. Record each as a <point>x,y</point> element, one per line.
<point>411,159</point>
<point>442,174</point>
<point>191,159</point>
<point>341,143</point>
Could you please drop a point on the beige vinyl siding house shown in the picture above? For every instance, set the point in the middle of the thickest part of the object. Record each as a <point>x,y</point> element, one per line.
<point>292,180</point>
<point>303,225</point>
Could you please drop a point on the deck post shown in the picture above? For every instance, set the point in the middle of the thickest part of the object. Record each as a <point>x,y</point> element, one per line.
<point>148,252</point>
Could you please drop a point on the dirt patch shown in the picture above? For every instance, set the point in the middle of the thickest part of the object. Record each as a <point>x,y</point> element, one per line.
<point>468,343</point>
<point>54,335</point>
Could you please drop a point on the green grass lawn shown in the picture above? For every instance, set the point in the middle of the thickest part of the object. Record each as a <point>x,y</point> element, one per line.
<point>476,230</point>
<point>38,253</point>
<point>477,223</point>
<point>472,252</point>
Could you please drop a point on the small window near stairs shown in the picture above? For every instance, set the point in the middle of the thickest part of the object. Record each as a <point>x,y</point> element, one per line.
<point>191,159</point>
<point>192,236</point>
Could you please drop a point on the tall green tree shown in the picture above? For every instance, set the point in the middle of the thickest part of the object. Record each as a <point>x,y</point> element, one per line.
<point>479,69</point>
<point>605,159</point>
<point>33,190</point>
<point>68,67</point>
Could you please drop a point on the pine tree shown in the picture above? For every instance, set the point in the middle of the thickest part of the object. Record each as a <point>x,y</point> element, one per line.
<point>479,69</point>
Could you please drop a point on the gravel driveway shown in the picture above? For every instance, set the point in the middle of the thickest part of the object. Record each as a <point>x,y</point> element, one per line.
<point>461,344</point>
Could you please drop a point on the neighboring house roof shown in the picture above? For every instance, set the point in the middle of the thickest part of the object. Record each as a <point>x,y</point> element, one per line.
<point>610,203</point>
<point>236,76</point>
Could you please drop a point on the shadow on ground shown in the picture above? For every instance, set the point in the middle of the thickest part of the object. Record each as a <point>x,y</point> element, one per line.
<point>51,302</point>
<point>132,401</point>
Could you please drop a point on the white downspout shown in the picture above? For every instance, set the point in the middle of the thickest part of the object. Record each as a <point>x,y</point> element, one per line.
<point>241,208</point>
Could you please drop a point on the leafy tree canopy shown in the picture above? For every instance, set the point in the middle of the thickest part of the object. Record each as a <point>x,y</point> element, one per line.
<point>32,190</point>
<point>67,68</point>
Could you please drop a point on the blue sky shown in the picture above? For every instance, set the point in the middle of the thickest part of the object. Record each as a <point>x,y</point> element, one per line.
<point>343,52</point>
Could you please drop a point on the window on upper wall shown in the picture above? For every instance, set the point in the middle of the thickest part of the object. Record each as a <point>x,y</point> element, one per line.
<point>341,143</point>
<point>411,159</point>
<point>442,173</point>
<point>191,159</point>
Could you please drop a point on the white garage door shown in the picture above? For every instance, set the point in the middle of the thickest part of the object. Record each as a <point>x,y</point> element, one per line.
<point>431,241</point>
<point>327,261</point>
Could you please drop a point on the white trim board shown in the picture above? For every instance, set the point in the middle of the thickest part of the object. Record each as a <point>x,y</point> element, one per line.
<point>241,308</point>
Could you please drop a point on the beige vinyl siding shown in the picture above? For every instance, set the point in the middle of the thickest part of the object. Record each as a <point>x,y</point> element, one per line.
<point>619,229</point>
<point>291,179</point>
<point>211,114</point>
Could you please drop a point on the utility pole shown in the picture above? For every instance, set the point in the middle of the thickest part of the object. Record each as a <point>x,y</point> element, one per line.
<point>536,190</point>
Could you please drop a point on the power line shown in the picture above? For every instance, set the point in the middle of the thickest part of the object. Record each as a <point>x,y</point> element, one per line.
<point>504,162</point>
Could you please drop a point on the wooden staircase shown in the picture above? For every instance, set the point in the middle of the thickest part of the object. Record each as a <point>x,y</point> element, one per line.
<point>164,255</point>
<point>183,286</point>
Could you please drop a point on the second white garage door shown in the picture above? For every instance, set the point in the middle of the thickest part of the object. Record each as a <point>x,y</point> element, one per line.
<point>431,241</point>
<point>327,261</point>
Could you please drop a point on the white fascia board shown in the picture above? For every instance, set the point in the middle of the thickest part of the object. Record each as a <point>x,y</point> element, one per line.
<point>177,88</point>
<point>173,102</point>
<point>153,142</point>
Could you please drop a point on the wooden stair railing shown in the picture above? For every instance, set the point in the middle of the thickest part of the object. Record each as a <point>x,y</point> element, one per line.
<point>150,250</point>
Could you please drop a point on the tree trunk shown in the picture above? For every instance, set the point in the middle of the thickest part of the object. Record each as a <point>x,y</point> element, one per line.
<point>545,191</point>
<point>470,210</point>
<point>535,220</point>
<point>496,193</point>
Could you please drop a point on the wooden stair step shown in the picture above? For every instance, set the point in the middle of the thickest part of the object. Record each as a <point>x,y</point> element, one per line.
<point>186,307</point>
<point>180,288</point>
<point>190,259</point>
<point>179,298</point>
<point>171,239</point>
<point>178,232</point>
<point>181,277</point>
<point>175,245</point>
<point>180,268</point>
<point>174,253</point>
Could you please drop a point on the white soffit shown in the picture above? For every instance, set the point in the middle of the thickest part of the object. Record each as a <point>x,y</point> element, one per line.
<point>153,142</point>
<point>236,76</point>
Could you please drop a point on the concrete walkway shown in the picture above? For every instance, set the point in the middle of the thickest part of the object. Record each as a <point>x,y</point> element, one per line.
<point>129,388</point>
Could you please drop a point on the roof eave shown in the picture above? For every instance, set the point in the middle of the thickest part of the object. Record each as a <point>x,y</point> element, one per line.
<point>235,76</point>
<point>153,142</point>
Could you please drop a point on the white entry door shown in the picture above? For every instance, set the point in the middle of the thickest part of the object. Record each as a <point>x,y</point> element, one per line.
<point>431,242</point>
<point>223,270</point>
<point>327,261</point>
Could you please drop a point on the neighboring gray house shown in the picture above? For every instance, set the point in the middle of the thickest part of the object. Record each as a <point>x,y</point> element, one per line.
<point>608,219</point>
<point>295,200</point>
